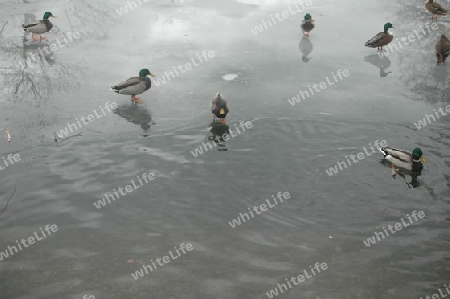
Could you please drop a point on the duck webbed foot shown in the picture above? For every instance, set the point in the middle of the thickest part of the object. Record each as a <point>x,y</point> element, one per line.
<point>136,100</point>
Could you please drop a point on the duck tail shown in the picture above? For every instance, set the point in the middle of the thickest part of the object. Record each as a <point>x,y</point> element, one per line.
<point>24,28</point>
<point>115,88</point>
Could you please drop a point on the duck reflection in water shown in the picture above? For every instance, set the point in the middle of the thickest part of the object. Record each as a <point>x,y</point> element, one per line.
<point>305,46</point>
<point>136,114</point>
<point>441,77</point>
<point>413,183</point>
<point>219,130</point>
<point>37,53</point>
<point>379,62</point>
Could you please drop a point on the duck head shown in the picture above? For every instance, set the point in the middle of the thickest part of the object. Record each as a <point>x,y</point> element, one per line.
<point>222,106</point>
<point>47,15</point>
<point>144,73</point>
<point>417,155</point>
<point>308,17</point>
<point>388,26</point>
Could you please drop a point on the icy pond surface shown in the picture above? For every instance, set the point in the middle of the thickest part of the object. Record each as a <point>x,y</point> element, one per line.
<point>298,107</point>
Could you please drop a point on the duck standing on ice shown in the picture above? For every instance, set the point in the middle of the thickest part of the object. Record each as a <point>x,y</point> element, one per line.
<point>442,49</point>
<point>381,39</point>
<point>436,9</point>
<point>39,27</point>
<point>135,85</point>
<point>307,25</point>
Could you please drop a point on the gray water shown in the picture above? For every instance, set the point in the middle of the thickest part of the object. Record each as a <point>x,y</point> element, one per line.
<point>192,199</point>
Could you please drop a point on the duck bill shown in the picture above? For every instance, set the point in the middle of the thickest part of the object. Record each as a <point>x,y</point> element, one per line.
<point>422,159</point>
<point>53,16</point>
<point>152,75</point>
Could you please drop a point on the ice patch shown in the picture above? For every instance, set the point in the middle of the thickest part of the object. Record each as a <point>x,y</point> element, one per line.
<point>230,77</point>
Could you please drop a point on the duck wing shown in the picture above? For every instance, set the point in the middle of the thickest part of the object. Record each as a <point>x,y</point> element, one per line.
<point>379,40</point>
<point>32,24</point>
<point>127,83</point>
<point>436,8</point>
<point>307,26</point>
<point>439,9</point>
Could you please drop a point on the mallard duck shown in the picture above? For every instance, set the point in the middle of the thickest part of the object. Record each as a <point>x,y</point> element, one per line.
<point>135,85</point>
<point>219,107</point>
<point>436,9</point>
<point>381,39</point>
<point>411,161</point>
<point>40,26</point>
<point>307,25</point>
<point>442,49</point>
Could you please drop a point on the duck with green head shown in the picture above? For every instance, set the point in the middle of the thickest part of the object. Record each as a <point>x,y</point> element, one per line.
<point>411,161</point>
<point>40,26</point>
<point>135,85</point>
<point>381,39</point>
<point>219,107</point>
<point>307,25</point>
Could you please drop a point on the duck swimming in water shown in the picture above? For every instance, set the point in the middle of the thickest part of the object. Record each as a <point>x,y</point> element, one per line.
<point>219,107</point>
<point>381,39</point>
<point>41,26</point>
<point>135,85</point>
<point>411,161</point>
<point>307,25</point>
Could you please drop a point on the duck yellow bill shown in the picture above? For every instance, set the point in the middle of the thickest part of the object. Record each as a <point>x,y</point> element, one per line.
<point>152,75</point>
<point>422,159</point>
<point>53,16</point>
